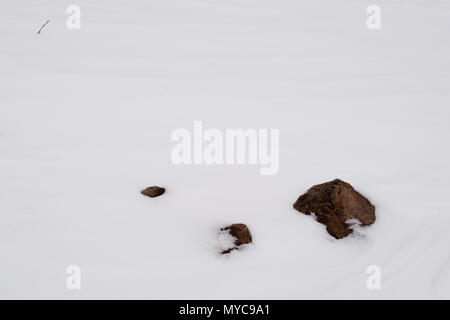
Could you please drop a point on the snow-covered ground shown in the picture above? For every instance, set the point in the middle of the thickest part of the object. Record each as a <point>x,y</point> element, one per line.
<point>86,118</point>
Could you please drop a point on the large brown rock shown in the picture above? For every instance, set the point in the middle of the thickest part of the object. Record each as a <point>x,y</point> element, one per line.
<point>334,203</point>
<point>241,234</point>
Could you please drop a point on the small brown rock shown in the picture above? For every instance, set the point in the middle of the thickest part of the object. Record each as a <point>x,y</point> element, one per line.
<point>334,203</point>
<point>240,232</point>
<point>153,191</point>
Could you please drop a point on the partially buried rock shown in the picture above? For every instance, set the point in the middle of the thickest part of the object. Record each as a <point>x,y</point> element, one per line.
<point>241,235</point>
<point>334,203</point>
<point>153,191</point>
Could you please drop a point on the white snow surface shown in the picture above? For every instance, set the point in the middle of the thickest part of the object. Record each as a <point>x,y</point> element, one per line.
<point>86,118</point>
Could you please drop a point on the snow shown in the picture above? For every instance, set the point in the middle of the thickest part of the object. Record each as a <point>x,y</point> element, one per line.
<point>86,118</point>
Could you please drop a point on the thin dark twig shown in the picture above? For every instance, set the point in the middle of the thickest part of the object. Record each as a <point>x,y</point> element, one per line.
<point>43,26</point>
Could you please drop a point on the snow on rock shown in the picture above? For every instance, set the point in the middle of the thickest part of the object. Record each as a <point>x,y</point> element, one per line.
<point>241,235</point>
<point>337,205</point>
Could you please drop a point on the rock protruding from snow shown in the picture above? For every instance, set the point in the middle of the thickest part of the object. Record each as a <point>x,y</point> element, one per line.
<point>241,234</point>
<point>334,203</point>
<point>153,192</point>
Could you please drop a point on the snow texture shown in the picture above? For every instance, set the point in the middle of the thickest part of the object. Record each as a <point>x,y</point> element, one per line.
<point>85,123</point>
